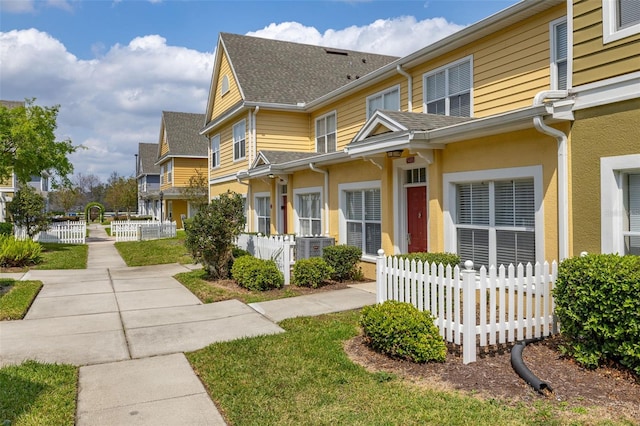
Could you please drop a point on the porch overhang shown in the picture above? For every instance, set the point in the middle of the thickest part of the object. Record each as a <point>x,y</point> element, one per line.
<point>285,168</point>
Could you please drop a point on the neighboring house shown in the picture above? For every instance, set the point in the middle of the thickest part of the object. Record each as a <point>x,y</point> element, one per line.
<point>512,140</point>
<point>181,153</point>
<point>148,177</point>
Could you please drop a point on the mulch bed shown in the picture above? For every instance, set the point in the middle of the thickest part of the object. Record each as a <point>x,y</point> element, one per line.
<point>612,391</point>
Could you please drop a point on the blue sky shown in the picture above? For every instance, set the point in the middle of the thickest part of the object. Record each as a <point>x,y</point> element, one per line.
<point>114,66</point>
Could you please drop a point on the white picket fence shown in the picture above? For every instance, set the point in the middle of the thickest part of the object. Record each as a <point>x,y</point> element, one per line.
<point>474,308</point>
<point>142,230</point>
<point>277,248</point>
<point>58,232</point>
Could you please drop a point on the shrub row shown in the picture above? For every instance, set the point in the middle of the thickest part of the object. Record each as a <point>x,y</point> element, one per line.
<point>430,258</point>
<point>598,305</point>
<point>19,252</point>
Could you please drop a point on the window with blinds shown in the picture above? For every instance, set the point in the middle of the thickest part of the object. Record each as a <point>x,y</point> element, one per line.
<point>239,135</point>
<point>495,222</point>
<point>448,90</point>
<point>215,151</point>
<point>631,232</point>
<point>309,210</point>
<point>628,13</point>
<point>559,55</point>
<point>263,215</point>
<point>387,100</point>
<point>363,220</point>
<point>326,133</point>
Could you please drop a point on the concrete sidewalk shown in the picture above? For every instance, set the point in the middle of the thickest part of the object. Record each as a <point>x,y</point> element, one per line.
<point>128,326</point>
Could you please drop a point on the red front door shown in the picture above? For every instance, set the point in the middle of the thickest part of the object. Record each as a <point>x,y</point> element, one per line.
<point>417,219</point>
<point>283,209</point>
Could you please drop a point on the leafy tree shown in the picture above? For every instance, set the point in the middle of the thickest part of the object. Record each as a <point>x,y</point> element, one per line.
<point>91,188</point>
<point>27,209</point>
<point>122,192</point>
<point>65,197</point>
<point>211,233</point>
<point>28,145</point>
<point>197,190</point>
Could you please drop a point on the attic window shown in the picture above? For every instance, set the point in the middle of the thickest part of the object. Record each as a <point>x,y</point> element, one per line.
<point>224,85</point>
<point>331,51</point>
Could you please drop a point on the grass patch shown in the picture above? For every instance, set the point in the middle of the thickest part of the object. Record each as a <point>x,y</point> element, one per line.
<point>154,252</point>
<point>108,230</point>
<point>16,297</point>
<point>38,394</point>
<point>63,256</point>
<point>303,376</point>
<point>212,291</point>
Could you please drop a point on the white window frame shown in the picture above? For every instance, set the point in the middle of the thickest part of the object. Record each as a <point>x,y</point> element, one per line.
<point>239,142</point>
<point>170,171</point>
<point>612,210</point>
<point>552,56</point>
<point>256,215</point>
<point>342,226</point>
<point>224,85</point>
<point>443,68</point>
<point>382,94</point>
<point>296,203</point>
<point>450,180</point>
<point>324,117</point>
<point>162,175</point>
<point>610,30</point>
<point>214,152</point>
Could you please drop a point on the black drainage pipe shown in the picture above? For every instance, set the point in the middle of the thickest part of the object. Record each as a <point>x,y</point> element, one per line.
<point>518,365</point>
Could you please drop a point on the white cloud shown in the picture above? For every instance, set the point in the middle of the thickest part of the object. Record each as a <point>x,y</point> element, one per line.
<point>397,36</point>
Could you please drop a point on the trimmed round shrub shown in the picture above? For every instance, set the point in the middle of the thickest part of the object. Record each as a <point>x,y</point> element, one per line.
<point>598,305</point>
<point>343,260</point>
<point>311,272</point>
<point>236,252</point>
<point>19,253</point>
<point>400,330</point>
<point>256,274</point>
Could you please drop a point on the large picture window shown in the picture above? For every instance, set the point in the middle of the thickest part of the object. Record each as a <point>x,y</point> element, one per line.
<point>448,90</point>
<point>386,100</point>
<point>309,208</point>
<point>326,133</point>
<point>361,210</point>
<point>239,136</point>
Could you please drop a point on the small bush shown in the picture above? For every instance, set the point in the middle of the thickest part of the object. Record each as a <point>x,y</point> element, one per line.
<point>6,228</point>
<point>19,253</point>
<point>400,330</point>
<point>311,272</point>
<point>430,258</point>
<point>343,260</point>
<point>236,252</point>
<point>256,274</point>
<point>598,305</point>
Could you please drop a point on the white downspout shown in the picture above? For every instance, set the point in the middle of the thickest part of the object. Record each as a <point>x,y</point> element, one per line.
<point>247,209</point>
<point>325,195</point>
<point>254,135</point>
<point>409,87</point>
<point>563,169</point>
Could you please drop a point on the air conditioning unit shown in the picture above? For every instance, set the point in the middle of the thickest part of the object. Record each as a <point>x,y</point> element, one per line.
<point>307,247</point>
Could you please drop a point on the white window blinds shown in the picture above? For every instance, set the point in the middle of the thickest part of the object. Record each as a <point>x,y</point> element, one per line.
<point>628,13</point>
<point>448,91</point>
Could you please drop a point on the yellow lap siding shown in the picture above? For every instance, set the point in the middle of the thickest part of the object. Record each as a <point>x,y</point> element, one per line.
<point>222,102</point>
<point>185,168</point>
<point>283,131</point>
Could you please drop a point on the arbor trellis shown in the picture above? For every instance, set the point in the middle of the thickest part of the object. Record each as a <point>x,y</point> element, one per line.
<point>89,207</point>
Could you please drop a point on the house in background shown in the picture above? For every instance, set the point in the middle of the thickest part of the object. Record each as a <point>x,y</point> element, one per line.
<point>181,153</point>
<point>148,177</point>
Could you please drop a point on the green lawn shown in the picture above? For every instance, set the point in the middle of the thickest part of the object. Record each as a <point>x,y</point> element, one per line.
<point>304,377</point>
<point>38,394</point>
<point>63,256</point>
<point>154,252</point>
<point>16,297</point>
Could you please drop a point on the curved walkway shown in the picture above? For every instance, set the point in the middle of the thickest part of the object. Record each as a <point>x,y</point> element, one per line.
<point>128,328</point>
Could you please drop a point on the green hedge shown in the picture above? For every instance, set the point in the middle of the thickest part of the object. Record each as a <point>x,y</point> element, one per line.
<point>19,253</point>
<point>311,272</point>
<point>430,258</point>
<point>402,331</point>
<point>256,274</point>
<point>6,228</point>
<point>598,305</point>
<point>343,260</point>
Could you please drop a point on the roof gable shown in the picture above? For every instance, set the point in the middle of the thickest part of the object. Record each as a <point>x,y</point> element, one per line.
<point>180,132</point>
<point>147,154</point>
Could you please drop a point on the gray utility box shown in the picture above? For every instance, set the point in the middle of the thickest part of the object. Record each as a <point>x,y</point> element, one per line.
<point>307,247</point>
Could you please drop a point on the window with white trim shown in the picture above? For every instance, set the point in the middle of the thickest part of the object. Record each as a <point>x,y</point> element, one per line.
<point>170,171</point>
<point>363,217</point>
<point>263,214</point>
<point>559,43</point>
<point>326,133</point>
<point>215,151</point>
<point>224,85</point>
<point>620,19</point>
<point>309,210</point>
<point>495,222</point>
<point>386,100</point>
<point>162,175</point>
<point>447,90</point>
<point>239,140</point>
<point>631,231</point>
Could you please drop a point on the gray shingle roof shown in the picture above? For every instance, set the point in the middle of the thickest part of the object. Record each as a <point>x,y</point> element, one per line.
<point>11,104</point>
<point>183,136</point>
<point>148,153</point>
<point>288,73</point>
<point>420,121</point>
<point>279,157</point>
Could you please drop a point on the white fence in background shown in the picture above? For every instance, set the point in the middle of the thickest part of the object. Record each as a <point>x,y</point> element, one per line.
<point>142,230</point>
<point>58,232</point>
<point>474,308</point>
<point>277,248</point>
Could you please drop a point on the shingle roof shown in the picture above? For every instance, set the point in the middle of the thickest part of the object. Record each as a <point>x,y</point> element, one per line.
<point>420,121</point>
<point>11,104</point>
<point>148,153</point>
<point>183,136</point>
<point>279,157</point>
<point>289,73</point>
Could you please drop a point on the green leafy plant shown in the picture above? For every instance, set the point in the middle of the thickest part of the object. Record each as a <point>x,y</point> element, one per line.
<point>598,305</point>
<point>431,258</point>
<point>256,274</point>
<point>27,209</point>
<point>19,253</point>
<point>343,260</point>
<point>6,228</point>
<point>400,330</point>
<point>311,272</point>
